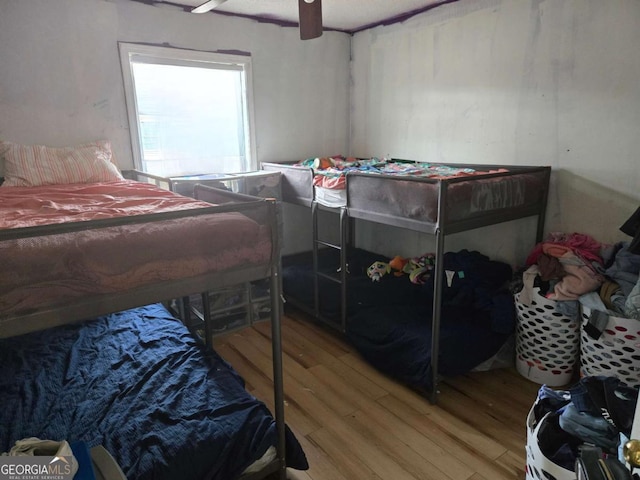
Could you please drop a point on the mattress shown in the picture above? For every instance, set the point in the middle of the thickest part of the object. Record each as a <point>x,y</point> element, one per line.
<point>137,383</point>
<point>49,271</point>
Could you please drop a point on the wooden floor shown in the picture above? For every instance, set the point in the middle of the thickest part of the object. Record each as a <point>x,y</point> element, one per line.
<point>355,423</point>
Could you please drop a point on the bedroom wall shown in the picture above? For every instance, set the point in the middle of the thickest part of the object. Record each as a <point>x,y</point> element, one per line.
<point>61,82</point>
<point>526,82</point>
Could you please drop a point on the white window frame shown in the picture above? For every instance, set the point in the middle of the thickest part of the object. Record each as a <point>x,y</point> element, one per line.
<point>177,56</point>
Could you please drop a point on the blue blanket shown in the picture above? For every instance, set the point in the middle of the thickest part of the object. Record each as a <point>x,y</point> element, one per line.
<point>137,383</point>
<point>477,317</point>
<point>389,322</point>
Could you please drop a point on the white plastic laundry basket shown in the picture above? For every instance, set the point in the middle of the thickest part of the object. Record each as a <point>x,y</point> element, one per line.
<point>540,467</point>
<point>547,342</point>
<point>616,353</point>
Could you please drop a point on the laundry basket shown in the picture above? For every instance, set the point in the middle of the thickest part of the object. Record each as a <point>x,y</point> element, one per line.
<point>539,467</point>
<point>547,342</point>
<point>616,353</point>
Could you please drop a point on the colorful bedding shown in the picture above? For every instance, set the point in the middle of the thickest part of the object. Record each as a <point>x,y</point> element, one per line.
<point>330,172</point>
<point>137,383</point>
<point>49,271</point>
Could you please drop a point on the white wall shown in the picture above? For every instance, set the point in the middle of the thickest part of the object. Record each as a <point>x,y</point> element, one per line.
<point>525,82</point>
<point>61,82</point>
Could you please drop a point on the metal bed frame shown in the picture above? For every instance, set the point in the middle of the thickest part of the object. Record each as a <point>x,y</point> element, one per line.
<point>11,325</point>
<point>362,188</point>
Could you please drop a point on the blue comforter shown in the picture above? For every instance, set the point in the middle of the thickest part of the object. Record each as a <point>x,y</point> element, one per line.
<point>137,383</point>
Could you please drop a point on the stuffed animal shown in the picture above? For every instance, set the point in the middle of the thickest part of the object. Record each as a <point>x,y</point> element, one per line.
<point>417,268</point>
<point>377,270</point>
<point>421,267</point>
<point>398,264</point>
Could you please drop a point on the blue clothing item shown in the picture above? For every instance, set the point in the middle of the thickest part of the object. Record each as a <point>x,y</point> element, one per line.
<point>568,308</point>
<point>632,304</point>
<point>625,269</point>
<point>549,400</point>
<point>607,397</point>
<point>590,428</point>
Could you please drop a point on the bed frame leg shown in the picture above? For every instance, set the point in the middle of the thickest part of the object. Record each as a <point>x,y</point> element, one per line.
<point>278,382</point>
<point>435,317</point>
<point>206,313</point>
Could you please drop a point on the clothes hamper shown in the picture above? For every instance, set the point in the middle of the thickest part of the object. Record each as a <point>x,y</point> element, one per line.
<point>616,353</point>
<point>547,342</point>
<point>539,467</point>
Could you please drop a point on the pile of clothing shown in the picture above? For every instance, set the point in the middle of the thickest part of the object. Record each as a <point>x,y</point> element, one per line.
<point>597,411</point>
<point>577,270</point>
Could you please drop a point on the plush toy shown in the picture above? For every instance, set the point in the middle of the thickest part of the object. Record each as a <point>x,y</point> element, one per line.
<point>417,268</point>
<point>398,264</point>
<point>377,270</point>
<point>421,267</point>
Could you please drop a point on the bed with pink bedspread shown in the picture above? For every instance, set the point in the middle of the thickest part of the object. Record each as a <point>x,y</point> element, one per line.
<point>92,249</point>
<point>78,241</point>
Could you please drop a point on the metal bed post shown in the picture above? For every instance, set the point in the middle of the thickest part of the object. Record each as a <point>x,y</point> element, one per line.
<point>435,317</point>
<point>206,313</point>
<point>276,342</point>
<point>437,292</point>
<point>344,223</point>
<point>314,250</point>
<point>278,383</point>
<point>543,209</point>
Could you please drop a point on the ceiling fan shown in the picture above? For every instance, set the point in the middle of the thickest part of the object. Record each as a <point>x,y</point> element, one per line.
<point>309,11</point>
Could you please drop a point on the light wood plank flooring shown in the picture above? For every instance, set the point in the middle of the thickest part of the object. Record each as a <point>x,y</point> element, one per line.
<point>355,423</point>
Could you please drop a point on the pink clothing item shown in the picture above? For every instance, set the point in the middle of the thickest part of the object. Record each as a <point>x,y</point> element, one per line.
<point>554,250</point>
<point>579,279</point>
<point>584,246</point>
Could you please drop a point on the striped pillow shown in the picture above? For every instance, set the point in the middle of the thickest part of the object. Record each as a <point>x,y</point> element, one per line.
<point>34,165</point>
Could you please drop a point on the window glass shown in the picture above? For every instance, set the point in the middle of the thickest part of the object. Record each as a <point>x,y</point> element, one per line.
<point>189,111</point>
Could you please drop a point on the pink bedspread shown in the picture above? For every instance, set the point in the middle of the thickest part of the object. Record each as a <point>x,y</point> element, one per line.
<point>29,206</point>
<point>49,271</point>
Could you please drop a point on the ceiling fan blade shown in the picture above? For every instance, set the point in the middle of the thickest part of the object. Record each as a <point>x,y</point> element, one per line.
<point>207,6</point>
<point>310,18</point>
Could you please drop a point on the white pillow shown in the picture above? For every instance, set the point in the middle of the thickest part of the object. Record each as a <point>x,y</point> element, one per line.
<point>34,165</point>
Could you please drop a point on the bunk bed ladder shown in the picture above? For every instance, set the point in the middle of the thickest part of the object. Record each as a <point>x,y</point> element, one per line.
<point>343,270</point>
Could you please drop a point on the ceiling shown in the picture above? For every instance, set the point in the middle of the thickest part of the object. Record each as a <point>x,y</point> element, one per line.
<point>343,15</point>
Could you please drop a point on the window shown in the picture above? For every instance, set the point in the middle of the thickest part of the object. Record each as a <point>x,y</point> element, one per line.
<point>189,111</point>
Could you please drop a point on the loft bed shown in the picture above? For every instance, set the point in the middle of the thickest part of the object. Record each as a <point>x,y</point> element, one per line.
<point>436,201</point>
<point>100,248</point>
